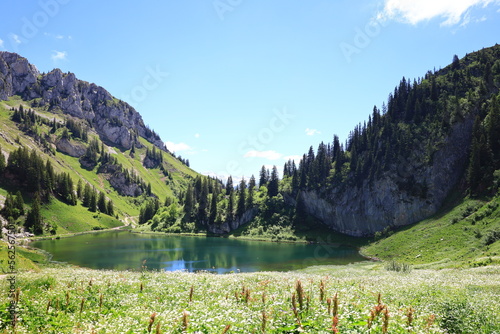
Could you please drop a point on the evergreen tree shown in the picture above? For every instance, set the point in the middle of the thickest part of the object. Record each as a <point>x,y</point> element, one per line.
<point>101,203</point>
<point>263,176</point>
<point>229,185</point>
<point>148,211</point>
<point>188,202</point>
<point>250,196</point>
<point>13,207</point>
<point>93,201</point>
<point>455,65</point>
<point>50,175</point>
<point>2,161</point>
<point>273,187</point>
<point>203,200</point>
<point>87,195</point>
<point>34,222</point>
<point>79,189</point>
<point>19,205</point>
<point>241,207</point>
<point>213,207</point>
<point>110,208</point>
<point>230,208</point>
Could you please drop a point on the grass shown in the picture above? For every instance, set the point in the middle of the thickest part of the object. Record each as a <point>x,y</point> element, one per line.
<point>24,259</point>
<point>70,219</point>
<point>362,298</point>
<point>80,219</point>
<point>454,237</point>
<point>405,294</point>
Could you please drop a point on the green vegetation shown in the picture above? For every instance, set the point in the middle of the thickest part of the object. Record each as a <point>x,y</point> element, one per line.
<point>50,193</point>
<point>75,194</point>
<point>418,119</point>
<point>363,298</point>
<point>464,235</point>
<point>25,259</point>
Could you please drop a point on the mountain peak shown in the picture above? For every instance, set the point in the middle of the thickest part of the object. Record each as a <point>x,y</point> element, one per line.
<point>115,121</point>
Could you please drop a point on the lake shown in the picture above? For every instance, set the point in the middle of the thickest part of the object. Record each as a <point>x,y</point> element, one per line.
<point>122,250</point>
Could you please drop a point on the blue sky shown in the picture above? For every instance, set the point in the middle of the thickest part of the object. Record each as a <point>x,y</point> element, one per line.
<point>233,85</point>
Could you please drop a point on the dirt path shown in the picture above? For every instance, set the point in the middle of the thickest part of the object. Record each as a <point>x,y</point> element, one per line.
<point>130,220</point>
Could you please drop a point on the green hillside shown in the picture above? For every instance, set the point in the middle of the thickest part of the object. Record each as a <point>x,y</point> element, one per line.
<point>66,218</point>
<point>463,235</point>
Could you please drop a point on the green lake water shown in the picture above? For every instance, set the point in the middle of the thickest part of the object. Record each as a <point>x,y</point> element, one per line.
<point>121,250</point>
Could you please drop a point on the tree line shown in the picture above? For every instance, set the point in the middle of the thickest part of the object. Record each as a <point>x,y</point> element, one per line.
<point>38,180</point>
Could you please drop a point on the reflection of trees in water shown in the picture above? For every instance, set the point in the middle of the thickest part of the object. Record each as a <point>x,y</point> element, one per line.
<point>126,251</point>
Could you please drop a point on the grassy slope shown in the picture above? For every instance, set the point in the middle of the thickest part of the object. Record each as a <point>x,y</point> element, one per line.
<point>455,236</point>
<point>78,218</point>
<point>69,300</point>
<point>24,259</point>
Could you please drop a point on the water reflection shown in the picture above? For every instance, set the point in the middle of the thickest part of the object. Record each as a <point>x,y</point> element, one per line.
<point>126,251</point>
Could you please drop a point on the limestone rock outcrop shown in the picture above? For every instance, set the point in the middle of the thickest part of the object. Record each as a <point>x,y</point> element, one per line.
<point>115,121</point>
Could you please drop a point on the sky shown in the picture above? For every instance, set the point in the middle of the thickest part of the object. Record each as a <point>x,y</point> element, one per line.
<point>233,85</point>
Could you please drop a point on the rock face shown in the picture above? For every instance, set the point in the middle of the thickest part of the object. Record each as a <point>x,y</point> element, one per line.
<point>72,149</point>
<point>119,181</point>
<point>227,227</point>
<point>115,121</point>
<point>409,192</point>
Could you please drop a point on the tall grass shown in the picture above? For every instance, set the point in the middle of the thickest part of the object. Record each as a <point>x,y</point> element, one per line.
<point>364,298</point>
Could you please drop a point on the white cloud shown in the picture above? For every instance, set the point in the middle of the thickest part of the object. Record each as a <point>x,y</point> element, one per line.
<point>56,36</point>
<point>1,43</point>
<point>16,39</point>
<point>312,132</point>
<point>269,155</point>
<point>452,11</point>
<point>177,147</point>
<point>59,55</point>
<point>197,135</point>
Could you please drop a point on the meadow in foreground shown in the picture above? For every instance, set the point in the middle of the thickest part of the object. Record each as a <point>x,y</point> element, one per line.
<point>362,298</point>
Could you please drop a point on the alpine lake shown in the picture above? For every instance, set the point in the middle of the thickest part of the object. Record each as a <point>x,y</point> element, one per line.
<point>122,250</point>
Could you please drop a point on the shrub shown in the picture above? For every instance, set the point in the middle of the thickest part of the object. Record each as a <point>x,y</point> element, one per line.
<point>398,267</point>
<point>491,237</point>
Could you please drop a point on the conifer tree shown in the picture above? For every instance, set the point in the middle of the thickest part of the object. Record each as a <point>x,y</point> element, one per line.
<point>263,176</point>
<point>19,203</point>
<point>87,195</point>
<point>110,208</point>
<point>229,185</point>
<point>203,200</point>
<point>242,193</point>
<point>213,207</point>
<point>101,203</point>
<point>250,196</point>
<point>34,222</point>
<point>188,202</point>
<point>230,208</point>
<point>2,161</point>
<point>93,201</point>
<point>79,189</point>
<point>273,183</point>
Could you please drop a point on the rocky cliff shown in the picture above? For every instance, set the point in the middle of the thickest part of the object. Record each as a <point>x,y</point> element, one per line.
<point>115,121</point>
<point>227,227</point>
<point>410,191</point>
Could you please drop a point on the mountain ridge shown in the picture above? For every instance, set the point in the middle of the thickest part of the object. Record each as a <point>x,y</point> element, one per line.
<point>116,121</point>
<point>436,135</point>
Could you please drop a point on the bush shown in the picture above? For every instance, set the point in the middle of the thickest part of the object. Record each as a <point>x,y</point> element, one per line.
<point>398,267</point>
<point>491,237</point>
